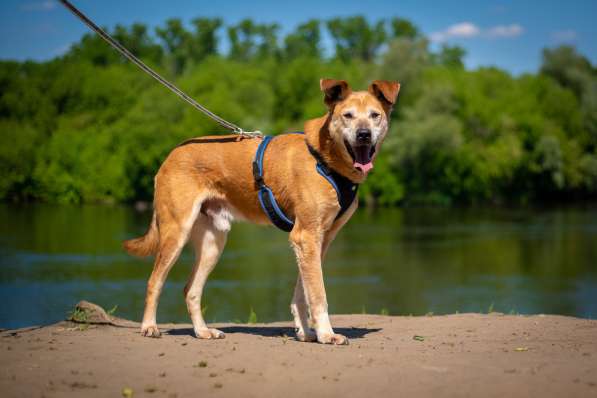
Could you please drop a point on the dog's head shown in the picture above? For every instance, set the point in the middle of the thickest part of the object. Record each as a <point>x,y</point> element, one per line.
<point>358,121</point>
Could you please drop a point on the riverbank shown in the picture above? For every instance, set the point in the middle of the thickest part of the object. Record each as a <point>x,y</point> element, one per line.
<point>453,355</point>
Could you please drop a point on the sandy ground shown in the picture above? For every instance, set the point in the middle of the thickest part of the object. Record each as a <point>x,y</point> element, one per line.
<point>456,355</point>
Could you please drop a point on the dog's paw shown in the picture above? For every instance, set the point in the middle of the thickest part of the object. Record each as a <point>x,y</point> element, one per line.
<point>209,334</point>
<point>308,337</point>
<point>333,338</point>
<point>150,331</point>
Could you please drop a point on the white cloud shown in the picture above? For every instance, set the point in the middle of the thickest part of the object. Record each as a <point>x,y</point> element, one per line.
<point>467,30</point>
<point>463,30</point>
<point>564,36</point>
<point>44,5</point>
<point>505,31</point>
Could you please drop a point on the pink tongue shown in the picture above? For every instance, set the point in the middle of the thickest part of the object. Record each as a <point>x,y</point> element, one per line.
<point>363,167</point>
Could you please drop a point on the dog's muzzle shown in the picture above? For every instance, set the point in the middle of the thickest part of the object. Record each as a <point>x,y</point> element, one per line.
<point>362,151</point>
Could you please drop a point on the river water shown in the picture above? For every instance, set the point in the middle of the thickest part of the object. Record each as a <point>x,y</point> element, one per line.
<point>396,261</point>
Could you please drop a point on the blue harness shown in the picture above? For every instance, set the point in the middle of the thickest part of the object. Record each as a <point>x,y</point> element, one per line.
<point>345,189</point>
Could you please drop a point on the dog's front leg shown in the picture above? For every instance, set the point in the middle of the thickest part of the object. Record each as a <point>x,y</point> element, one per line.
<point>300,313</point>
<point>307,245</point>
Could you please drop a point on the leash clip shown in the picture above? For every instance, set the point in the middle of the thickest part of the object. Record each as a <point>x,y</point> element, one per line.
<point>249,134</point>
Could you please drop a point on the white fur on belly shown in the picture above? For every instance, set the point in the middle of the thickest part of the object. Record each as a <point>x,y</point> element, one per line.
<point>221,217</point>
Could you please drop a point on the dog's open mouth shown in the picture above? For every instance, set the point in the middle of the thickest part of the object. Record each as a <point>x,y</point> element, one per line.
<point>361,156</point>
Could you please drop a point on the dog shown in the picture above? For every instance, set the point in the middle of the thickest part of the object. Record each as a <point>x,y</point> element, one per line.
<point>206,183</point>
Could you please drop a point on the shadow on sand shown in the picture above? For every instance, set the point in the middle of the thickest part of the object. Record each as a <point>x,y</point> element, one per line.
<point>274,331</point>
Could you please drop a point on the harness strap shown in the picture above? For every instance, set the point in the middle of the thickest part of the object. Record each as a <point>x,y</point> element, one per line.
<point>346,190</point>
<point>266,197</point>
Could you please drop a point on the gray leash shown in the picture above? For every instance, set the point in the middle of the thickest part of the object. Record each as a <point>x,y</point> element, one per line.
<point>224,123</point>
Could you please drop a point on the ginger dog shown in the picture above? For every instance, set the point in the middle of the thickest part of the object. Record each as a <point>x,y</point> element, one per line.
<point>206,183</point>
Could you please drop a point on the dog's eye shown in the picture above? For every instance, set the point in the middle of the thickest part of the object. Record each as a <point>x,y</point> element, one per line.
<point>374,115</point>
<point>348,115</point>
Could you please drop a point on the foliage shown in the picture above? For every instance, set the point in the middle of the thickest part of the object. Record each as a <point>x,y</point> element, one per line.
<point>79,315</point>
<point>355,37</point>
<point>89,127</point>
<point>252,317</point>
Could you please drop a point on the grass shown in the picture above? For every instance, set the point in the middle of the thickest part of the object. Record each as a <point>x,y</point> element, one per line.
<point>78,315</point>
<point>252,316</point>
<point>112,310</point>
<point>490,309</point>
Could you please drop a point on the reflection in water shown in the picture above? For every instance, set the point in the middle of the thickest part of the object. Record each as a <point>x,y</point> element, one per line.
<point>407,261</point>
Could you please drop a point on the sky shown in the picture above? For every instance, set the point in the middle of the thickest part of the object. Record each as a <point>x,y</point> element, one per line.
<point>509,34</point>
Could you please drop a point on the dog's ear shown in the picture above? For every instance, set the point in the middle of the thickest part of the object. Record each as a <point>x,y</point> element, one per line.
<point>386,92</point>
<point>334,91</point>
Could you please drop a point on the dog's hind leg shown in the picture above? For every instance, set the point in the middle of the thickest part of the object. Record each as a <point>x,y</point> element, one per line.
<point>175,221</point>
<point>209,238</point>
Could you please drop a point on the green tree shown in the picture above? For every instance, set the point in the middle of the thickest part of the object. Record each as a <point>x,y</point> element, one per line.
<point>249,40</point>
<point>404,28</point>
<point>451,56</point>
<point>268,46</point>
<point>575,72</point>
<point>304,41</point>
<point>405,61</point>
<point>18,156</point>
<point>136,39</point>
<point>204,42</point>
<point>568,68</point>
<point>88,127</point>
<point>177,42</point>
<point>355,38</point>
<point>242,40</point>
<point>94,49</point>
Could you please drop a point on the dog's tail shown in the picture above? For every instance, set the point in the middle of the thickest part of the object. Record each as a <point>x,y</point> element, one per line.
<point>146,245</point>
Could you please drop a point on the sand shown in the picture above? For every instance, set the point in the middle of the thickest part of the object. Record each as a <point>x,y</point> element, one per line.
<point>458,355</point>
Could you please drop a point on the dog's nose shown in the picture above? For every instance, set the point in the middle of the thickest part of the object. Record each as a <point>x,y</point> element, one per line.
<point>363,136</point>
